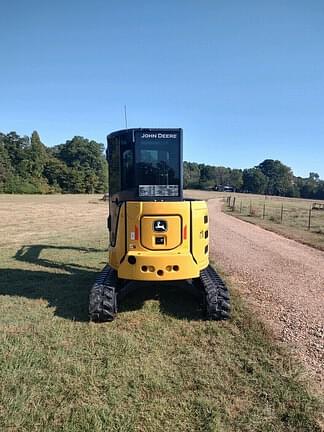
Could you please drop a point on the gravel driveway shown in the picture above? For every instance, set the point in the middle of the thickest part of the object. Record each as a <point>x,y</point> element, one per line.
<point>281,279</point>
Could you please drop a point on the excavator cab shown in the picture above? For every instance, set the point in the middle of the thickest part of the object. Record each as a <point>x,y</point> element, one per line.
<point>144,165</point>
<point>155,235</point>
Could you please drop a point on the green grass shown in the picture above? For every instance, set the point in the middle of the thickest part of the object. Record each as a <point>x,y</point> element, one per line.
<point>158,367</point>
<point>293,223</point>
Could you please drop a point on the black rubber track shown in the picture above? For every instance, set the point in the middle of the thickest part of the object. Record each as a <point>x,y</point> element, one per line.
<point>103,297</point>
<point>217,299</point>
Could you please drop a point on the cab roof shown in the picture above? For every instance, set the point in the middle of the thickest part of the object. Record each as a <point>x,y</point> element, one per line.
<point>133,130</point>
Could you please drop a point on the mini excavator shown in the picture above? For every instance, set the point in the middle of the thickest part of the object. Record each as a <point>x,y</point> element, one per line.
<point>155,234</point>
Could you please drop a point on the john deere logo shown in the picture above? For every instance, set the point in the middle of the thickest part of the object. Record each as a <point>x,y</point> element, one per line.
<point>160,226</point>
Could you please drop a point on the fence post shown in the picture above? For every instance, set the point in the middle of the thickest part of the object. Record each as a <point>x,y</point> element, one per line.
<point>250,207</point>
<point>263,213</point>
<point>309,218</point>
<point>241,207</point>
<point>233,206</point>
<point>281,214</point>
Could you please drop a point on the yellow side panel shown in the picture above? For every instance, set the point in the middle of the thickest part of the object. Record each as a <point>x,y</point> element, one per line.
<point>116,253</point>
<point>200,232</point>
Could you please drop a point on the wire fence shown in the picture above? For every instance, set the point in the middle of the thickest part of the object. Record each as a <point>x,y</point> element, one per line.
<point>304,215</point>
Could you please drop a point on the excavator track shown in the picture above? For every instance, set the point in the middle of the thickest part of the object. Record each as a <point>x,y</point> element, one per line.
<point>106,289</point>
<point>216,295</point>
<point>103,296</point>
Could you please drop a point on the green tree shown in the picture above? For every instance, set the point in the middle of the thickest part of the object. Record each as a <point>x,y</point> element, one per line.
<point>320,190</point>
<point>191,175</point>
<point>37,156</point>
<point>280,177</point>
<point>76,180</point>
<point>207,176</point>
<point>6,169</point>
<point>309,186</point>
<point>254,181</point>
<point>56,173</point>
<point>17,149</point>
<point>236,179</point>
<point>86,163</point>
<point>222,176</point>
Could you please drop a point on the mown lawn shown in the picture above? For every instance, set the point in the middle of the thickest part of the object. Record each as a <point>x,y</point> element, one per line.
<point>158,367</point>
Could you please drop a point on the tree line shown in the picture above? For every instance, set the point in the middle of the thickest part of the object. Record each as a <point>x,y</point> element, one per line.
<point>79,166</point>
<point>28,166</point>
<point>270,177</point>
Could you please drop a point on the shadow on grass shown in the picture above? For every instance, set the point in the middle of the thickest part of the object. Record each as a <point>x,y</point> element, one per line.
<point>68,292</point>
<point>177,299</point>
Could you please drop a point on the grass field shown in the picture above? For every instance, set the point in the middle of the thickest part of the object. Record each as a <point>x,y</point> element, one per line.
<point>158,367</point>
<point>286,216</point>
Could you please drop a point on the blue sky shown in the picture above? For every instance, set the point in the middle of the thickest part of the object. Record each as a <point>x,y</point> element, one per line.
<point>244,79</point>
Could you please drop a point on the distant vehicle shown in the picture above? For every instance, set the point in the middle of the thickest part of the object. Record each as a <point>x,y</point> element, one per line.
<point>105,197</point>
<point>222,188</point>
<point>317,206</point>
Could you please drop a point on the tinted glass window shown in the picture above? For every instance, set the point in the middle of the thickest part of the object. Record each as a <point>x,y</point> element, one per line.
<point>127,169</point>
<point>158,164</point>
<point>114,165</point>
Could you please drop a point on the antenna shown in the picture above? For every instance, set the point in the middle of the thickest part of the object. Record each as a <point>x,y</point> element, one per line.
<point>125,113</point>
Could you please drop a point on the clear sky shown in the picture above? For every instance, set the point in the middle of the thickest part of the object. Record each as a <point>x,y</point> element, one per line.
<point>244,79</point>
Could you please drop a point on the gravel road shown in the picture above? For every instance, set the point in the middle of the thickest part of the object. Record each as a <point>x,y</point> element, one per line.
<point>281,279</point>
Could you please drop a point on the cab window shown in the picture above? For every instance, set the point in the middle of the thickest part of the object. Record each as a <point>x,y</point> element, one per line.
<point>127,169</point>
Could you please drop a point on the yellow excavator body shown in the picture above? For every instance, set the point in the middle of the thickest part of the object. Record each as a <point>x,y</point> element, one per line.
<point>179,250</point>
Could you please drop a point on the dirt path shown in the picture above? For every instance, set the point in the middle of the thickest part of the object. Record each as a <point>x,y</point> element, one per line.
<point>282,280</point>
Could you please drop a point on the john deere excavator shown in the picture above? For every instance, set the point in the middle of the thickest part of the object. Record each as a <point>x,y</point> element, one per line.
<point>155,234</point>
